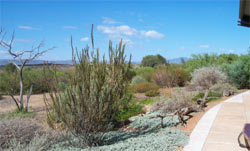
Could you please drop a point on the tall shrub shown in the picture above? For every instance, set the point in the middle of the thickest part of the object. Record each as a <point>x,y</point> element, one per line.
<point>95,93</point>
<point>160,77</point>
<point>206,77</point>
<point>177,76</point>
<point>239,72</point>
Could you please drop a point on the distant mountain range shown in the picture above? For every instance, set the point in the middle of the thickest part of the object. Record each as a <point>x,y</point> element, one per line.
<point>69,62</point>
<point>178,60</point>
<point>38,62</point>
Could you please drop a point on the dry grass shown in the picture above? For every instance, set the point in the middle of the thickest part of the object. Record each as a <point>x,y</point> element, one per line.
<point>22,130</point>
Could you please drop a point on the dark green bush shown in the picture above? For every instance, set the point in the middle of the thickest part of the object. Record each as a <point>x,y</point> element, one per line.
<point>132,110</point>
<point>9,67</point>
<point>152,61</point>
<point>239,72</point>
<point>9,82</point>
<point>152,93</point>
<point>144,87</point>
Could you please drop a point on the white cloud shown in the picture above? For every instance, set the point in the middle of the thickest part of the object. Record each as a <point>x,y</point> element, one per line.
<point>26,27</point>
<point>107,20</point>
<point>125,30</point>
<point>68,27</point>
<point>84,39</point>
<point>152,34</point>
<point>118,30</point>
<point>204,46</point>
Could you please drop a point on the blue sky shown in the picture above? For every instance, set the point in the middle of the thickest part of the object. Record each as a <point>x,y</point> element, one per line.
<point>170,28</point>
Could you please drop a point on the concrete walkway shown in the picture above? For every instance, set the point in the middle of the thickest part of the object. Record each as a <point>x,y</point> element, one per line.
<point>219,128</point>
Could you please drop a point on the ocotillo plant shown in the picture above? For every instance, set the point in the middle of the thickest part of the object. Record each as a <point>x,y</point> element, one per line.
<point>95,93</point>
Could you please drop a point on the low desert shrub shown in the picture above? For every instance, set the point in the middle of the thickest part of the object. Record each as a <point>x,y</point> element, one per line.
<point>149,101</point>
<point>179,99</point>
<point>132,110</point>
<point>160,77</point>
<point>223,87</point>
<point>206,77</point>
<point>147,135</point>
<point>145,73</point>
<point>211,96</point>
<point>22,131</point>
<point>144,87</point>
<point>152,93</point>
<point>177,77</point>
<point>48,141</point>
<point>137,79</point>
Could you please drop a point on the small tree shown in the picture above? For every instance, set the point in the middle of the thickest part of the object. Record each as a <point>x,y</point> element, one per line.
<point>153,61</point>
<point>204,78</point>
<point>19,62</point>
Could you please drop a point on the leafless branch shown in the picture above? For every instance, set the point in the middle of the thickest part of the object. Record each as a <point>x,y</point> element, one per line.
<point>15,100</point>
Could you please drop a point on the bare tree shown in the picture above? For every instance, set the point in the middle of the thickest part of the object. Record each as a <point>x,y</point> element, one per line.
<point>20,63</point>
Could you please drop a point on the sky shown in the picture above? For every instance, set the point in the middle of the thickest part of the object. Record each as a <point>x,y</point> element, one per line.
<point>170,28</point>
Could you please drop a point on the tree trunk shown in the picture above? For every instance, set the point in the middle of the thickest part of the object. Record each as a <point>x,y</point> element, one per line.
<point>28,98</point>
<point>21,88</point>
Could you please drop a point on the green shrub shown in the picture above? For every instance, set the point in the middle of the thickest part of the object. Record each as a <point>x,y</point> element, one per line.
<point>177,77</point>
<point>137,79</point>
<point>202,60</point>
<point>211,96</point>
<point>9,82</point>
<point>95,93</point>
<point>132,110</point>
<point>239,72</point>
<point>152,61</point>
<point>145,72</point>
<point>144,87</point>
<point>149,101</point>
<point>10,68</point>
<point>152,93</point>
